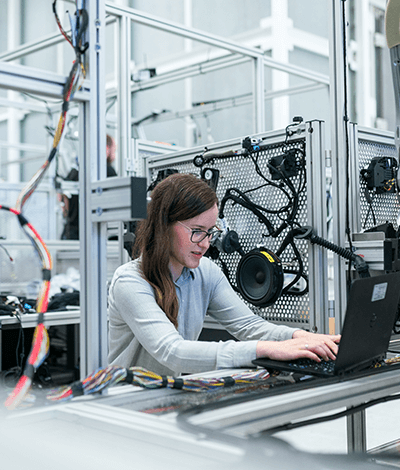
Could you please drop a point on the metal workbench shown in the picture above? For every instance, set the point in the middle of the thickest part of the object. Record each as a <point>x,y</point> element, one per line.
<point>226,432</point>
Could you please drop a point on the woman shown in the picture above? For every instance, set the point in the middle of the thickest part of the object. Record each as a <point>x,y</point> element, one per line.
<point>158,301</point>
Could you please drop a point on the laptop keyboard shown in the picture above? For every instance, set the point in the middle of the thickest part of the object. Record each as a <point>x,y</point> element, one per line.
<point>302,365</point>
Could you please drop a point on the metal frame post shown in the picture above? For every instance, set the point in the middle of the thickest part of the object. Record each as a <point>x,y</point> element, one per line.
<point>356,433</point>
<point>93,263</point>
<point>124,83</point>
<point>124,107</point>
<point>259,99</point>
<point>339,151</point>
<point>317,215</point>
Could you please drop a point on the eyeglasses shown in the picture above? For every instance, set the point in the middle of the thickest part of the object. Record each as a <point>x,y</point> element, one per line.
<point>198,236</point>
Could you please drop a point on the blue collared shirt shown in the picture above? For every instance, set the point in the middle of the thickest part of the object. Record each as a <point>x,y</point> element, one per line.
<point>140,334</point>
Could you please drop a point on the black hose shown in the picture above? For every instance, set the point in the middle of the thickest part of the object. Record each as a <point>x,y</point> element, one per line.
<point>359,263</point>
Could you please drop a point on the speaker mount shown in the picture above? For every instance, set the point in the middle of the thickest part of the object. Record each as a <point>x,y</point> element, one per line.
<point>259,277</point>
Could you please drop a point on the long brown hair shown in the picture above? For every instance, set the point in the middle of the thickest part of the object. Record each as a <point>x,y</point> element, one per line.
<point>178,197</point>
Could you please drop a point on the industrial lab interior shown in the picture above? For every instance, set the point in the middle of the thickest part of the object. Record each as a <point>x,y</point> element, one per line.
<point>286,113</point>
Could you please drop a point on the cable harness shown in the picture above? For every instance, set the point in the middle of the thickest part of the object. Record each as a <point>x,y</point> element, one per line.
<point>73,83</point>
<point>40,342</point>
<point>290,164</point>
<point>100,379</point>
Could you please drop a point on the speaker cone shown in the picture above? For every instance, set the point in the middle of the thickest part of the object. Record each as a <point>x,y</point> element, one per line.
<point>259,277</point>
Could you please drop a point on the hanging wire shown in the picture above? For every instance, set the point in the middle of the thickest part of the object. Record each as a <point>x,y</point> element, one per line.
<point>73,83</point>
<point>7,253</point>
<point>40,342</point>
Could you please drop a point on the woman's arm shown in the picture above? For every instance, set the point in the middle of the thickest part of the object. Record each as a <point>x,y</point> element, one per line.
<point>236,317</point>
<point>134,314</point>
<point>277,341</point>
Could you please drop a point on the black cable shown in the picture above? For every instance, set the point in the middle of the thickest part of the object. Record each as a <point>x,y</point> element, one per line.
<point>267,180</point>
<point>257,210</point>
<point>276,185</point>
<point>292,195</point>
<point>308,234</point>
<point>263,439</point>
<point>290,209</point>
<point>285,186</point>
<point>288,134</point>
<point>6,251</point>
<point>322,419</point>
<point>303,276</point>
<point>294,199</point>
<point>370,201</point>
<point>21,336</point>
<point>299,273</point>
<point>82,24</point>
<point>295,203</point>
<point>225,270</point>
<point>346,130</point>
<point>245,202</point>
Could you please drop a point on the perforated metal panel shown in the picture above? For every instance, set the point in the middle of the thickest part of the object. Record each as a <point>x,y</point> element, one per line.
<point>385,206</point>
<point>365,144</point>
<point>240,172</point>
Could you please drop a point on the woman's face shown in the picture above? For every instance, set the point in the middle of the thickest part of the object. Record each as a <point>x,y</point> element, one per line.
<point>183,251</point>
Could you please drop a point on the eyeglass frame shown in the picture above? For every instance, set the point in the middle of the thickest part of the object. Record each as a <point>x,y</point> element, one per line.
<point>211,235</point>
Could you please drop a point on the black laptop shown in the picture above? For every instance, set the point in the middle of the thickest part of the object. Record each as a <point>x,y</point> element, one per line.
<point>370,315</point>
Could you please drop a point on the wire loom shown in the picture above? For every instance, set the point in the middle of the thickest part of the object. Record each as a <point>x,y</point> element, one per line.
<point>40,342</point>
<point>112,375</point>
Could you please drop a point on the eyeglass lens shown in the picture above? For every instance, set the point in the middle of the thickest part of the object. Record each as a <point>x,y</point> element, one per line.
<point>199,235</point>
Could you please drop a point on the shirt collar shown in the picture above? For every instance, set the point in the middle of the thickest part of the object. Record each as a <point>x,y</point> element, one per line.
<point>186,274</point>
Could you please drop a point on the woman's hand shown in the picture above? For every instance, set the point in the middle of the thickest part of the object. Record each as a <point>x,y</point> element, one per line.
<point>302,345</point>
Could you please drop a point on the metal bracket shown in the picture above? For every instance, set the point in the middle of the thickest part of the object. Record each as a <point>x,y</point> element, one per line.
<point>119,199</point>
<point>381,254</point>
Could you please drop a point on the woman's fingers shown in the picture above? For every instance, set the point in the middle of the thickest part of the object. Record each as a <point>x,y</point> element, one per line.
<point>309,345</point>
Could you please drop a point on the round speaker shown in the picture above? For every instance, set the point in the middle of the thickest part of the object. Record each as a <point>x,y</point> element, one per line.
<point>259,277</point>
